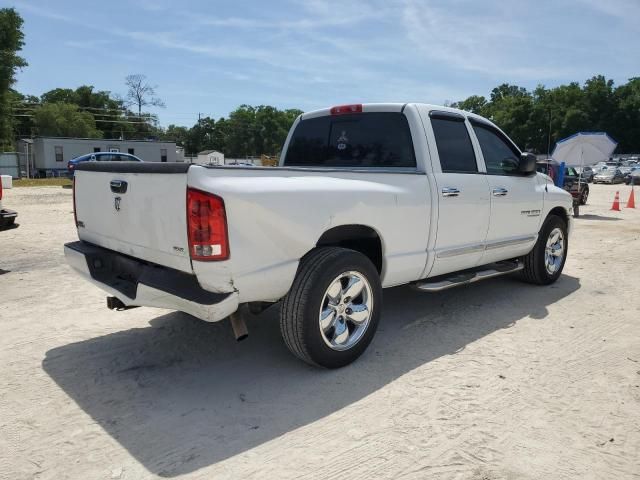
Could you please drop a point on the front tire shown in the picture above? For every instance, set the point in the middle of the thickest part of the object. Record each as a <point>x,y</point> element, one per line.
<point>544,263</point>
<point>332,310</point>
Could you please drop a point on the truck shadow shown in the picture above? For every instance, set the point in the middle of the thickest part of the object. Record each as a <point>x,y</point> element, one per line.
<point>180,394</point>
<point>590,216</point>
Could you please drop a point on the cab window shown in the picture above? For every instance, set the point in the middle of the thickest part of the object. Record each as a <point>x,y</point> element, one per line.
<point>500,156</point>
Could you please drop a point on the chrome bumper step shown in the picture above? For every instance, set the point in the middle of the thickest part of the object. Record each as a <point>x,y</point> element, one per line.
<point>444,282</point>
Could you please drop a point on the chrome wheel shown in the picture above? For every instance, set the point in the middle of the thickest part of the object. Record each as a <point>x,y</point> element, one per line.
<point>346,310</point>
<point>554,251</point>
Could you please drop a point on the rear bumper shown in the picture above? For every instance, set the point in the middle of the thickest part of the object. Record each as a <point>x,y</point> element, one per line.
<point>7,217</point>
<point>139,283</point>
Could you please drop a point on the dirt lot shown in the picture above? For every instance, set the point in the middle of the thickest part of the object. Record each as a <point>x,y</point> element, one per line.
<point>499,380</point>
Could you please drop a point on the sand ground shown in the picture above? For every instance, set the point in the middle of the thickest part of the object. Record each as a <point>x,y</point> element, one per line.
<point>498,380</point>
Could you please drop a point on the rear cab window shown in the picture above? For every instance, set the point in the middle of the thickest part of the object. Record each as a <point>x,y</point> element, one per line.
<point>454,144</point>
<point>361,140</point>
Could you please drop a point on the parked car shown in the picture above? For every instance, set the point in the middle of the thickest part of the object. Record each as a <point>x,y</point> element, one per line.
<point>633,177</point>
<point>586,173</point>
<point>354,207</point>
<point>611,175</point>
<point>577,187</point>
<point>101,157</point>
<point>599,166</point>
<point>7,217</point>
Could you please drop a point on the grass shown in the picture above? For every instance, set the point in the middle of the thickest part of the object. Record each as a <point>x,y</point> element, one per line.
<point>42,182</point>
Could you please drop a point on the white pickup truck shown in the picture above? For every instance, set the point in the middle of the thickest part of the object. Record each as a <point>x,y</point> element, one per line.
<point>365,197</point>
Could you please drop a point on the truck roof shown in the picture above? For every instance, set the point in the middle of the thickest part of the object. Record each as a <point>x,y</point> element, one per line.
<point>391,107</point>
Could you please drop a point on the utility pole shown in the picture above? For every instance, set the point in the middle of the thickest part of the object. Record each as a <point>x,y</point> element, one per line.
<point>549,138</point>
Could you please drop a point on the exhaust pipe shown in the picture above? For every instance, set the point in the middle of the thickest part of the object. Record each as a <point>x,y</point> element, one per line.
<point>239,327</point>
<point>114,303</point>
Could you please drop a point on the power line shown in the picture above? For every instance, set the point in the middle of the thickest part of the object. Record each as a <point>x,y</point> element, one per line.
<point>111,113</point>
<point>29,105</point>
<point>96,120</point>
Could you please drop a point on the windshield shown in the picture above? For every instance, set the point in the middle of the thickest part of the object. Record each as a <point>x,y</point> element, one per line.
<point>380,139</point>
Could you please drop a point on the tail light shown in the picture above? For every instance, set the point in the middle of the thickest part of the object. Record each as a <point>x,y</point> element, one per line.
<point>75,214</point>
<point>346,109</point>
<point>70,166</point>
<point>206,226</point>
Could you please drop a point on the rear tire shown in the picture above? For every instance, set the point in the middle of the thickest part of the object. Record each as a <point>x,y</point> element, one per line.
<point>584,196</point>
<point>544,263</point>
<point>332,310</point>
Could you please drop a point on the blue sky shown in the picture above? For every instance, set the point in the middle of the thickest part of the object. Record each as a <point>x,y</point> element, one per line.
<point>211,56</point>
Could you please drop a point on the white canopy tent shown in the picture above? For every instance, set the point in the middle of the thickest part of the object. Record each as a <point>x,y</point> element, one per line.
<point>584,148</point>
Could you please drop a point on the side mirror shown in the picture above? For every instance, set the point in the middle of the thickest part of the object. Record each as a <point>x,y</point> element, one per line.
<point>527,163</point>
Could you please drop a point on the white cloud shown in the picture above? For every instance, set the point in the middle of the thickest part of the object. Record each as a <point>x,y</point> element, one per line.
<point>43,12</point>
<point>87,44</point>
<point>315,14</point>
<point>626,10</point>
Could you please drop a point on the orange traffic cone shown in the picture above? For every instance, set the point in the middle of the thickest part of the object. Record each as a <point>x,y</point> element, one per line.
<point>616,202</point>
<point>631,203</point>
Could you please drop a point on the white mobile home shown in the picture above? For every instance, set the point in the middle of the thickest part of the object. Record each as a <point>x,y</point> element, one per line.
<point>211,157</point>
<point>51,154</point>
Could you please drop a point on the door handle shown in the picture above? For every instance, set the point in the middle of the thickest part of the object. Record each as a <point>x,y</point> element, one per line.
<point>450,192</point>
<point>118,186</point>
<point>500,192</point>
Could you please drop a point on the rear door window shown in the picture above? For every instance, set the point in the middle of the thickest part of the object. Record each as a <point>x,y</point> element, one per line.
<point>454,146</point>
<point>377,139</point>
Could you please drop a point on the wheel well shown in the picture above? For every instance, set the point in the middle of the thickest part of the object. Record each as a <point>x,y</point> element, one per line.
<point>560,212</point>
<point>360,238</point>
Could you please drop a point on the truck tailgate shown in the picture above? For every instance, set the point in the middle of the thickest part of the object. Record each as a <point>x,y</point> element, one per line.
<point>138,209</point>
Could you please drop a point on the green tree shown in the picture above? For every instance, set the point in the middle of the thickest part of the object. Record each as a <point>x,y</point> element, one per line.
<point>220,135</point>
<point>201,137</point>
<point>175,133</point>
<point>11,42</point>
<point>241,140</point>
<point>64,120</point>
<point>473,104</point>
<point>23,107</point>
<point>626,129</point>
<point>537,120</point>
<point>109,112</point>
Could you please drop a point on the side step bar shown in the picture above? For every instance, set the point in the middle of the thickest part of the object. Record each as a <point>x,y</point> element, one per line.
<point>456,279</point>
